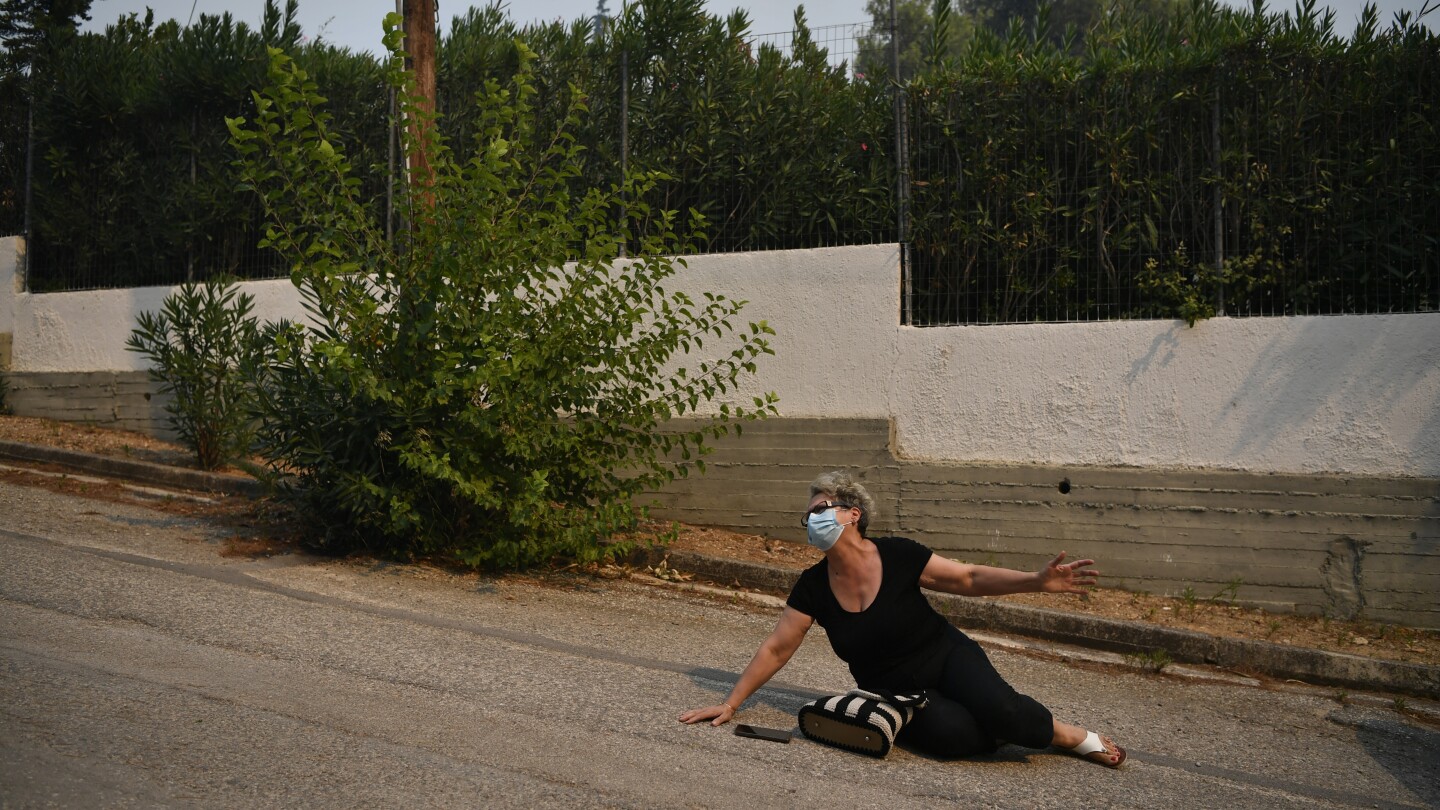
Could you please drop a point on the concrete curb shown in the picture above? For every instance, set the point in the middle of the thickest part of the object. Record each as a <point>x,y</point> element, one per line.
<point>1317,667</point>
<point>1184,646</point>
<point>131,470</point>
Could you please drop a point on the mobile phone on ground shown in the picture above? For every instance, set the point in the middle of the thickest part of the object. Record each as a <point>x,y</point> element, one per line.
<point>760,733</point>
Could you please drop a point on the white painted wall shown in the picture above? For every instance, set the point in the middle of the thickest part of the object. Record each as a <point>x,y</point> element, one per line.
<point>1349,394</point>
<point>1353,394</point>
<point>86,331</point>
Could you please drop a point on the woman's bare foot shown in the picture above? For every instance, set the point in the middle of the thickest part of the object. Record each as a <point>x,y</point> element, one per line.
<point>1111,756</point>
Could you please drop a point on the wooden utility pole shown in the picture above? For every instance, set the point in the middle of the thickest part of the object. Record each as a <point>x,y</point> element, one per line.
<point>420,45</point>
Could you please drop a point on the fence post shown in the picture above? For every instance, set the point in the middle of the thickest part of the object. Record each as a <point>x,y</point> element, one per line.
<point>902,171</point>
<point>1218,204</point>
<point>29,184</point>
<point>190,241</point>
<point>624,139</point>
<point>392,132</point>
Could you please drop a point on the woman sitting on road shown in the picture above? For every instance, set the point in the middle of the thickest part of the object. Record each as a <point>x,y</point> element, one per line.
<point>866,594</point>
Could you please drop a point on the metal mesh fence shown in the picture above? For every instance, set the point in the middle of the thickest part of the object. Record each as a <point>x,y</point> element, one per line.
<point>94,231</point>
<point>125,248</point>
<point>842,44</point>
<point>1330,181</point>
<point>132,181</point>
<point>1243,190</point>
<point>1245,186</point>
<point>1032,202</point>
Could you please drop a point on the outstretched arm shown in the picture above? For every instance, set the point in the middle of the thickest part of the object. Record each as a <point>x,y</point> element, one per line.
<point>1058,576</point>
<point>773,654</point>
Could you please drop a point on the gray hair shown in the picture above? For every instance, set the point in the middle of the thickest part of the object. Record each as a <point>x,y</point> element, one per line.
<point>838,485</point>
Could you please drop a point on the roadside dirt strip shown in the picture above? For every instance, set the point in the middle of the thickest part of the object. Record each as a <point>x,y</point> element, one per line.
<point>138,667</point>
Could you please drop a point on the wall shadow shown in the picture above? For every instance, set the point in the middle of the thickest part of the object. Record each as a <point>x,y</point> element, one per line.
<point>1324,372</point>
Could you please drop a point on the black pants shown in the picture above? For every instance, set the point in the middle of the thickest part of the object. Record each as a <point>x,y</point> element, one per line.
<point>972,709</point>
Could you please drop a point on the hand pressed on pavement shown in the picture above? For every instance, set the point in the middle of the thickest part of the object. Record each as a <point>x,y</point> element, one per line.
<point>722,714</point>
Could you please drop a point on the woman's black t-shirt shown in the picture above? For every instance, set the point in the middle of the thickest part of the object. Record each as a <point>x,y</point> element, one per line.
<point>896,633</point>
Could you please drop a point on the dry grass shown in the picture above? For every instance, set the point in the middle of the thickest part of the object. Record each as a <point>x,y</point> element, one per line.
<point>102,441</point>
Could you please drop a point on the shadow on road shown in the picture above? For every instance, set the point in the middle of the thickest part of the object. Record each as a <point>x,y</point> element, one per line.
<point>1402,748</point>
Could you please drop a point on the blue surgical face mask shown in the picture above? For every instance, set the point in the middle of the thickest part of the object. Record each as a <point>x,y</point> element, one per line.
<point>823,529</point>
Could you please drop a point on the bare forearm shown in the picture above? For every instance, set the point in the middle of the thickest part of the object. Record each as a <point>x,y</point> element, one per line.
<point>1057,576</point>
<point>987,580</point>
<point>757,673</point>
<point>768,659</point>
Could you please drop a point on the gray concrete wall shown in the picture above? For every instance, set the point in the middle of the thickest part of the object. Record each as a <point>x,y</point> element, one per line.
<point>128,400</point>
<point>1342,546</point>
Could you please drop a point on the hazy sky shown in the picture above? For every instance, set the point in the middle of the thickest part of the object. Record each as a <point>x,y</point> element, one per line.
<point>356,23</point>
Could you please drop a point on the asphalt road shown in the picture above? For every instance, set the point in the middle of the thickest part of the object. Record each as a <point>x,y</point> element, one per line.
<point>140,668</point>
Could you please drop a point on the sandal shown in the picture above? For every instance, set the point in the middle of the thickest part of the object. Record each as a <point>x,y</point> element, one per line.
<point>1112,756</point>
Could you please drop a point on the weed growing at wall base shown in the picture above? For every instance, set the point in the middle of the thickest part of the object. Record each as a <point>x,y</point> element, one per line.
<point>464,391</point>
<point>1151,660</point>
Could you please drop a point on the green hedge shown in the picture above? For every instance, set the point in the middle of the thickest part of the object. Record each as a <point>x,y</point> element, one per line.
<point>1052,178</point>
<point>134,179</point>
<point>1052,185</point>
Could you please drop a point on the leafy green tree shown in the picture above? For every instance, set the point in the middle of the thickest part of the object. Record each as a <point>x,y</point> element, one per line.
<point>493,386</point>
<point>912,21</point>
<point>29,29</point>
<point>1050,18</point>
<point>30,32</point>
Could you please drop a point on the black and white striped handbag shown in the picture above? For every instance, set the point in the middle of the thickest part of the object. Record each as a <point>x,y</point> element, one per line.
<point>859,721</point>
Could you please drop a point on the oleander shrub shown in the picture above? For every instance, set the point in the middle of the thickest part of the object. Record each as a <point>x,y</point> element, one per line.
<point>197,343</point>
